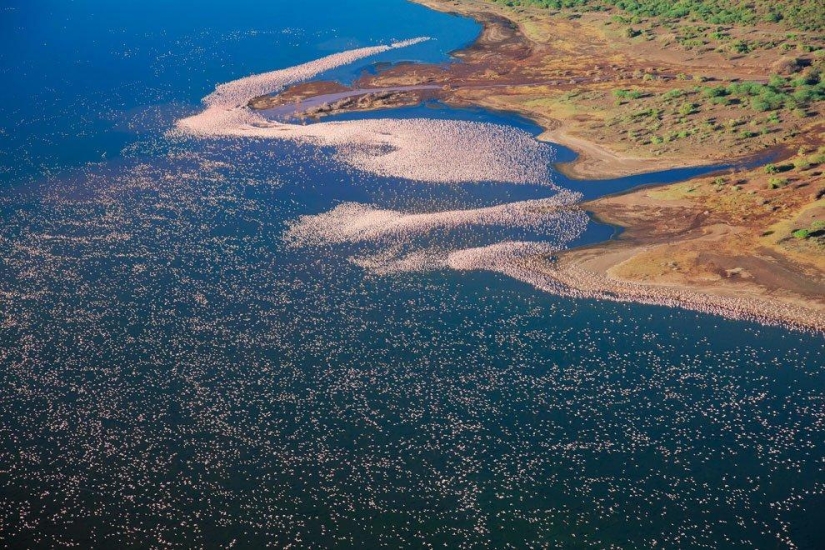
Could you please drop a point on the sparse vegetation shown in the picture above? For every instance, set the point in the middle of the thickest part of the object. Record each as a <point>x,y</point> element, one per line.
<point>628,94</point>
<point>806,15</point>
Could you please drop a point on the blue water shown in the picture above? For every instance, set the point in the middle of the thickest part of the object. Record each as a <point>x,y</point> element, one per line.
<point>78,76</point>
<point>172,374</point>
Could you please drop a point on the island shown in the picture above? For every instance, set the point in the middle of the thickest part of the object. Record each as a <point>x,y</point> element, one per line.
<point>634,87</point>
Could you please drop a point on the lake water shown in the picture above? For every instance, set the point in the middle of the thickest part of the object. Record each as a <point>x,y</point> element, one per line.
<point>173,374</point>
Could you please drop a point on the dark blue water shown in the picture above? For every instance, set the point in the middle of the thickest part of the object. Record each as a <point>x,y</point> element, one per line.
<point>172,375</point>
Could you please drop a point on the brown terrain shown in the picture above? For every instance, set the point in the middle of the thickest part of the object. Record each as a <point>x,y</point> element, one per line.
<point>631,104</point>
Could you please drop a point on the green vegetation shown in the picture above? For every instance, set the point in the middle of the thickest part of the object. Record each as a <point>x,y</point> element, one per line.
<point>778,93</point>
<point>628,94</point>
<point>805,15</point>
<point>815,230</point>
<point>687,109</point>
<point>702,113</point>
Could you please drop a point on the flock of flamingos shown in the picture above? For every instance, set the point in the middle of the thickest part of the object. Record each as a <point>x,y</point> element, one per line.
<point>445,152</point>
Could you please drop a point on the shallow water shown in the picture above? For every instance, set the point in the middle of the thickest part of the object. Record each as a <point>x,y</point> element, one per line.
<point>173,372</point>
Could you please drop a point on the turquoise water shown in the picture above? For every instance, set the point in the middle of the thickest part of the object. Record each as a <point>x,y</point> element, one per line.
<point>172,374</point>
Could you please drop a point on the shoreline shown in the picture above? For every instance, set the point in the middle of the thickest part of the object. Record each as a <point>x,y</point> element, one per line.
<point>761,286</point>
<point>591,271</point>
<point>580,282</point>
<point>507,71</point>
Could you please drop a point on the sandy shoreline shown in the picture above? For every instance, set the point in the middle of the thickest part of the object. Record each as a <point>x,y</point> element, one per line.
<point>688,264</point>
<point>588,273</point>
<point>661,257</point>
<point>756,284</point>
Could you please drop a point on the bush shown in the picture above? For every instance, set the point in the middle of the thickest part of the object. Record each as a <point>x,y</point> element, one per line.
<point>801,233</point>
<point>771,169</point>
<point>760,105</point>
<point>687,109</point>
<point>777,183</point>
<point>772,17</point>
<point>808,78</point>
<point>786,65</point>
<point>801,164</point>
<point>627,94</point>
<point>715,91</point>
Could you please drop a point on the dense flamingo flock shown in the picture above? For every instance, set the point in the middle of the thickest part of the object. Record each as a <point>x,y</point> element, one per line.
<point>554,218</point>
<point>417,149</point>
<point>352,222</point>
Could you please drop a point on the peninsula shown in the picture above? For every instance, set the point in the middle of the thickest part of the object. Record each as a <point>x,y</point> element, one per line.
<point>638,89</point>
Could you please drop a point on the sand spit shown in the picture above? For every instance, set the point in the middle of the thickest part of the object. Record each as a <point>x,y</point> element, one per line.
<point>569,279</point>
<point>238,92</point>
<point>440,151</point>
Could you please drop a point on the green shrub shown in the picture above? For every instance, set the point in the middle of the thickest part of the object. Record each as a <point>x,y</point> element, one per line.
<point>627,94</point>
<point>772,17</point>
<point>759,104</point>
<point>687,109</point>
<point>801,164</point>
<point>715,91</point>
<point>801,233</point>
